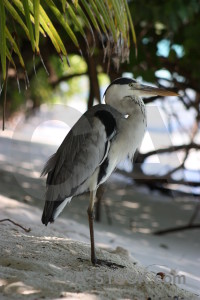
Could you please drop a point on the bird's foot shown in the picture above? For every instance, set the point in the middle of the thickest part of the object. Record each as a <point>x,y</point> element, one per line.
<point>102,262</point>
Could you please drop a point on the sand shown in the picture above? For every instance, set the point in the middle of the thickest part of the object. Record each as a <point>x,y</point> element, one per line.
<point>46,264</point>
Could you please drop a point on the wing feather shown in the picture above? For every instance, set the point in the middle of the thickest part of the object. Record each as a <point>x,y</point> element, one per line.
<point>81,152</point>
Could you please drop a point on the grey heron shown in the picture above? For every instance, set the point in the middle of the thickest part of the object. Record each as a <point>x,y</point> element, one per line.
<point>105,135</point>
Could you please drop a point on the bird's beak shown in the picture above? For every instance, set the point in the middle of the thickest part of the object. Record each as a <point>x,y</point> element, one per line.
<point>149,91</point>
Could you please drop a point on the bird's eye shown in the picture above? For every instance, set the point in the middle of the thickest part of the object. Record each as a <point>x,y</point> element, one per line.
<point>130,84</point>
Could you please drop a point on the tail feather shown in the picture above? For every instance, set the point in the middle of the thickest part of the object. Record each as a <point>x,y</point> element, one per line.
<point>52,209</point>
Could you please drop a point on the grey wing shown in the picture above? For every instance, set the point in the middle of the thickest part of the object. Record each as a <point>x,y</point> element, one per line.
<point>77,158</point>
<point>83,150</point>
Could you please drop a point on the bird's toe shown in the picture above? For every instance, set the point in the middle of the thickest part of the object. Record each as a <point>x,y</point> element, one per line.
<point>112,265</point>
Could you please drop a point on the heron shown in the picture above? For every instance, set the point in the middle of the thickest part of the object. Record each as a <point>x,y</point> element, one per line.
<point>103,137</point>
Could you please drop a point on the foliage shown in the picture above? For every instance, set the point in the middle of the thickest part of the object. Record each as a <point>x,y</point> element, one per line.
<point>104,17</point>
<point>175,22</point>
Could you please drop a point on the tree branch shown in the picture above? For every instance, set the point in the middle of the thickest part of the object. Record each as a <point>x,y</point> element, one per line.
<point>54,83</point>
<point>181,166</point>
<point>175,229</point>
<point>143,156</point>
<point>151,179</point>
<point>94,90</point>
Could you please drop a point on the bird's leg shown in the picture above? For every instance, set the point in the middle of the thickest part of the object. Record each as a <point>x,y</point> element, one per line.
<point>90,212</point>
<point>94,259</point>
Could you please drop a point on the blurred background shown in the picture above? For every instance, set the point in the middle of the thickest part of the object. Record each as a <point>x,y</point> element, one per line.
<point>160,190</point>
<point>168,56</point>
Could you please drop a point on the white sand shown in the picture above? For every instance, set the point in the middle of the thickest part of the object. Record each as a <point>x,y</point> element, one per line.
<point>44,264</point>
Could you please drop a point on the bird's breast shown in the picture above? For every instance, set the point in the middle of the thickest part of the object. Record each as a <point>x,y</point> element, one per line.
<point>130,132</point>
<point>129,137</point>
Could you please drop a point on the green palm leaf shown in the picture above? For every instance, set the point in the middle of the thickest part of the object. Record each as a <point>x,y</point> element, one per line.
<point>63,22</point>
<point>109,18</point>
<point>28,22</point>
<point>9,56</point>
<point>36,9</point>
<point>15,15</point>
<point>15,47</point>
<point>3,39</point>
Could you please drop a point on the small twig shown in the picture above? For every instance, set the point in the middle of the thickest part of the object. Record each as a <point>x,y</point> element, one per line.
<point>16,224</point>
<point>54,83</point>
<point>169,149</point>
<point>181,166</point>
<point>175,229</point>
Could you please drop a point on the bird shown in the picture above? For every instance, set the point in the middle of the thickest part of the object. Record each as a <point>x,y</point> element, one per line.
<point>103,137</point>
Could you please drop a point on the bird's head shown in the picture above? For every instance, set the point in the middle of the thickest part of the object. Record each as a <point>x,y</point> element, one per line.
<point>122,91</point>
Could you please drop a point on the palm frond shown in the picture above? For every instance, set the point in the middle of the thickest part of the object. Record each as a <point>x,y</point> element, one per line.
<point>28,22</point>
<point>110,19</point>
<point>3,39</point>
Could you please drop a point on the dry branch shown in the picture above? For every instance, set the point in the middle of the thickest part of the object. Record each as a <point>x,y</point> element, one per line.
<point>175,229</point>
<point>54,83</point>
<point>186,147</point>
<point>16,224</point>
<point>152,179</point>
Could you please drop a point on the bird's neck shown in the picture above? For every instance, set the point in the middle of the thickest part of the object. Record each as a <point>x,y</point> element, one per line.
<point>133,127</point>
<point>137,106</point>
<point>131,106</point>
<point>127,106</point>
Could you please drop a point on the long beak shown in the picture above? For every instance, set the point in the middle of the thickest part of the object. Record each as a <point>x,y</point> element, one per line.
<point>148,91</point>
